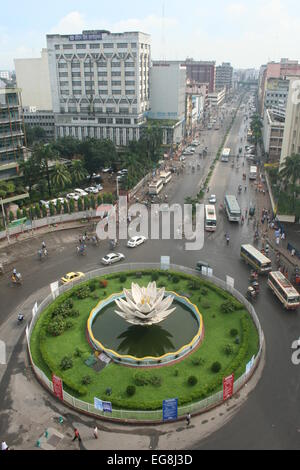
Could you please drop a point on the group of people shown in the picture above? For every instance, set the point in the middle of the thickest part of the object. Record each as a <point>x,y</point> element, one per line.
<point>43,252</point>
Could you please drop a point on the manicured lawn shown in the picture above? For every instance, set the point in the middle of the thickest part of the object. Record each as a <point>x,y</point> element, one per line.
<point>174,377</point>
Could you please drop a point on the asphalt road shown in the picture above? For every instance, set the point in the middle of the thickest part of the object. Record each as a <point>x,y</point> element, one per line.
<point>270,418</point>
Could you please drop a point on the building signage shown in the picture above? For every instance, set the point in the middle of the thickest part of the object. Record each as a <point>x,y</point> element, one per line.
<point>86,37</point>
<point>57,387</point>
<point>170,409</point>
<point>228,387</point>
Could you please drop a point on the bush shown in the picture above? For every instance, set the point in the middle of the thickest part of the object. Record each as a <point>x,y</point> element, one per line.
<point>227,307</point>
<point>68,324</point>
<point>78,352</point>
<point>11,216</point>
<point>123,278</point>
<point>103,283</point>
<point>66,363</point>
<point>176,372</point>
<point>130,390</point>
<point>92,285</point>
<point>72,206</point>
<point>198,361</point>
<point>194,285</point>
<point>228,349</point>
<point>216,367</point>
<point>204,291</point>
<point>233,332</point>
<point>155,380</point>
<point>86,380</point>
<point>154,276</point>
<point>56,327</point>
<point>140,379</point>
<point>192,380</point>
<point>237,340</point>
<point>83,292</point>
<point>80,204</point>
<point>206,305</point>
<point>175,279</point>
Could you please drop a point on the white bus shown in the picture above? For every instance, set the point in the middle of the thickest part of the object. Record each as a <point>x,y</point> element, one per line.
<point>255,258</point>
<point>225,155</point>
<point>165,176</point>
<point>155,187</point>
<point>210,218</point>
<point>284,290</point>
<point>253,173</point>
<point>232,208</point>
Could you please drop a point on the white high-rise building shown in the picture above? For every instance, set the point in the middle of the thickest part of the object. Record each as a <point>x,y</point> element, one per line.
<point>100,84</point>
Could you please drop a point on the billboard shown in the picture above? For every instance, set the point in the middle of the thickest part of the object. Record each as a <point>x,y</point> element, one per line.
<point>57,387</point>
<point>228,387</point>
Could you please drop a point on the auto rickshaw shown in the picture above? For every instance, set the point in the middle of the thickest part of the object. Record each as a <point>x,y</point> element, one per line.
<point>251,293</point>
<point>251,211</point>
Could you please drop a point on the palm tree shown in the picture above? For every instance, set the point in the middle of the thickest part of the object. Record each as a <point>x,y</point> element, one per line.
<point>78,171</point>
<point>290,174</point>
<point>43,154</point>
<point>61,176</point>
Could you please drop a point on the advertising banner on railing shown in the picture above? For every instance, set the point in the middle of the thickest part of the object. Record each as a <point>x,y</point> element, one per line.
<point>34,310</point>
<point>228,387</point>
<point>170,409</point>
<point>54,289</point>
<point>102,405</point>
<point>57,387</point>
<point>249,365</point>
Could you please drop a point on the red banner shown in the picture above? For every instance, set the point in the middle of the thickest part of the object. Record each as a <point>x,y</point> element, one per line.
<point>57,387</point>
<point>228,387</point>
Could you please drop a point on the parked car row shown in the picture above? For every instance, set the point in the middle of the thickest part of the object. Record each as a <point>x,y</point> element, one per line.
<point>76,195</point>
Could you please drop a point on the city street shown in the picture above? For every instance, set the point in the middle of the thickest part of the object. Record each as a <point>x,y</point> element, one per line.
<point>272,407</point>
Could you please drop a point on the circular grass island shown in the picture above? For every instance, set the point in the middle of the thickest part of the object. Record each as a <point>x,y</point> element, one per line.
<point>60,344</point>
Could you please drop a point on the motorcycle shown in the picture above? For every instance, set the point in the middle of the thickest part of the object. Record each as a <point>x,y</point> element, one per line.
<point>16,279</point>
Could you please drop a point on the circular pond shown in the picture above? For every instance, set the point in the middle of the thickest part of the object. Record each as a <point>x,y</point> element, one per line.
<point>170,339</point>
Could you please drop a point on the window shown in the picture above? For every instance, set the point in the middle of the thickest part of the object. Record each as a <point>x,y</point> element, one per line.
<point>117,92</point>
<point>116,64</point>
<point>102,74</point>
<point>119,121</point>
<point>108,54</point>
<point>88,74</point>
<point>94,46</point>
<point>130,92</point>
<point>76,83</point>
<point>122,45</point>
<point>75,65</point>
<point>130,82</point>
<point>116,83</point>
<point>68,56</point>
<point>127,121</point>
<point>68,46</point>
<point>104,82</point>
<point>116,74</point>
<point>110,110</point>
<point>80,46</point>
<point>129,64</point>
<point>103,92</point>
<point>102,64</point>
<point>76,74</point>
<point>88,84</point>
<point>63,74</point>
<point>108,45</point>
<point>64,92</point>
<point>63,83</point>
<point>77,92</point>
<point>102,121</point>
<point>62,65</point>
<point>57,46</point>
<point>129,74</point>
<point>133,44</point>
<point>81,56</point>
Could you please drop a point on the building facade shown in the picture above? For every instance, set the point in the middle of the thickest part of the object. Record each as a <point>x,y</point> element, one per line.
<point>224,75</point>
<point>202,72</point>
<point>100,84</point>
<point>216,98</point>
<point>43,119</point>
<point>291,136</point>
<point>12,142</point>
<point>273,129</point>
<point>34,80</point>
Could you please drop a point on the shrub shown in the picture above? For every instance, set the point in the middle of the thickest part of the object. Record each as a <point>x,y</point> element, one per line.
<point>176,372</point>
<point>140,379</point>
<point>227,307</point>
<point>19,214</point>
<point>79,204</point>
<point>194,284</point>
<point>216,367</point>
<point>103,283</point>
<point>228,349</point>
<point>204,291</point>
<point>24,212</point>
<point>154,276</point>
<point>192,380</point>
<point>83,292</point>
<point>56,327</point>
<point>66,363</point>
<point>175,278</point>
<point>155,380</point>
<point>86,380</point>
<point>123,278</point>
<point>66,207</point>
<point>78,352</point>
<point>198,361</point>
<point>138,275</point>
<point>11,216</point>
<point>108,391</point>
<point>206,305</point>
<point>233,332</point>
<point>68,324</point>
<point>237,340</point>
<point>130,390</point>
<point>72,205</point>
<point>92,285</point>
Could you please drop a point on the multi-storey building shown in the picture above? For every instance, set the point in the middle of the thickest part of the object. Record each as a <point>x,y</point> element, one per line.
<point>217,98</point>
<point>224,75</point>
<point>39,118</point>
<point>291,136</point>
<point>12,147</point>
<point>167,97</point>
<point>33,79</point>
<point>273,130</point>
<point>202,72</point>
<point>100,84</point>
<point>6,74</point>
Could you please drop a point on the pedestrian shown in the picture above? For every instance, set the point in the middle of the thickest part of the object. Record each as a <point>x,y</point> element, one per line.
<point>95,432</point>
<point>283,236</point>
<point>188,419</point>
<point>76,435</point>
<point>4,446</point>
<point>277,241</point>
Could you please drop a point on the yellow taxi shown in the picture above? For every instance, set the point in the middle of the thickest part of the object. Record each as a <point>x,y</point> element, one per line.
<point>69,277</point>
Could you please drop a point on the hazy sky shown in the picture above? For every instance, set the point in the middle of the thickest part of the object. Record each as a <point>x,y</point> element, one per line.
<point>245,33</point>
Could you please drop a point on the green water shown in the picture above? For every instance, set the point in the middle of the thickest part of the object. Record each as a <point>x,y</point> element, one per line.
<point>168,336</point>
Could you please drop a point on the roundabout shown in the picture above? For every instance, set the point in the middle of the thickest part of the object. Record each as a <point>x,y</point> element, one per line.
<point>144,365</point>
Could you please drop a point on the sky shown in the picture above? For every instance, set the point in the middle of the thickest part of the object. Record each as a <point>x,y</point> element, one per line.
<point>245,33</point>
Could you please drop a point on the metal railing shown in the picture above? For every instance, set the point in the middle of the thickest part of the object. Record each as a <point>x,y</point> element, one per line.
<point>147,415</point>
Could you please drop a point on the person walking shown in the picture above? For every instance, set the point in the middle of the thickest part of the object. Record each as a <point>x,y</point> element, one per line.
<point>95,432</point>
<point>76,435</point>
<point>188,419</point>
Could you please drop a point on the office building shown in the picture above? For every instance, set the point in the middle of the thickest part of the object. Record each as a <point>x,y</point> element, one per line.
<point>202,72</point>
<point>273,129</point>
<point>100,84</point>
<point>291,136</point>
<point>44,119</point>
<point>12,148</point>
<point>224,75</point>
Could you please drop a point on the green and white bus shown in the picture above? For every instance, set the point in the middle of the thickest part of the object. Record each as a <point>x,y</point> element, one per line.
<point>255,258</point>
<point>232,208</point>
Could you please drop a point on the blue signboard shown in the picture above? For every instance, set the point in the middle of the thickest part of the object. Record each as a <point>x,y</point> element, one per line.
<point>86,37</point>
<point>170,409</point>
<point>107,406</point>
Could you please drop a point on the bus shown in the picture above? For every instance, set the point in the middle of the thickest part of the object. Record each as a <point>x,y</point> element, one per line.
<point>232,208</point>
<point>255,258</point>
<point>284,290</point>
<point>165,176</point>
<point>210,218</point>
<point>253,173</point>
<point>155,187</point>
<point>225,155</point>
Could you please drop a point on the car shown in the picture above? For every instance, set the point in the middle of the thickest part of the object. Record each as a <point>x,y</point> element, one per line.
<point>72,276</point>
<point>212,199</point>
<point>81,192</point>
<point>99,187</point>
<point>61,200</point>
<point>44,203</point>
<point>136,241</point>
<point>107,170</point>
<point>92,190</point>
<point>112,258</point>
<point>124,171</point>
<point>74,196</point>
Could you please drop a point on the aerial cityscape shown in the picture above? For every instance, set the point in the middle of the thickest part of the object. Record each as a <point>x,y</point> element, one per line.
<point>149,228</point>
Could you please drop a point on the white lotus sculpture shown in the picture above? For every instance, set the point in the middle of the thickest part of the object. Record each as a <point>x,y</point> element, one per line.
<point>144,305</point>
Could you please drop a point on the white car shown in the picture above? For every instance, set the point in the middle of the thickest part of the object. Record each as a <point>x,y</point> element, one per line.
<point>92,190</point>
<point>136,241</point>
<point>99,187</point>
<point>112,258</point>
<point>106,170</point>
<point>44,203</point>
<point>212,199</point>
<point>81,192</point>
<point>74,196</point>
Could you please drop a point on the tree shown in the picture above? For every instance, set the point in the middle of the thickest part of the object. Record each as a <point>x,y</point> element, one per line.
<point>97,154</point>
<point>44,154</point>
<point>61,176</point>
<point>31,172</point>
<point>78,171</point>
<point>152,136</point>
<point>67,147</point>
<point>35,134</point>
<point>290,174</point>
